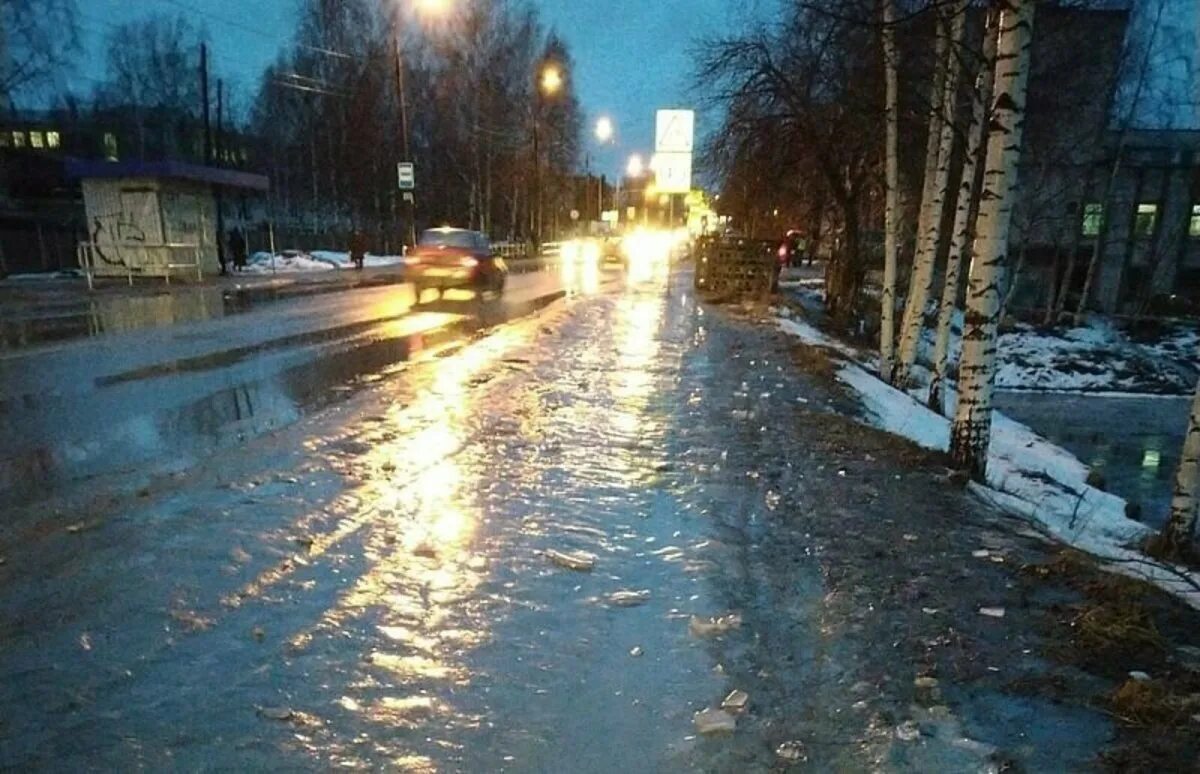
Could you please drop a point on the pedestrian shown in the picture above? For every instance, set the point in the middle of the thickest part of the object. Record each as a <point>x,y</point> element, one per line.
<point>237,249</point>
<point>358,249</point>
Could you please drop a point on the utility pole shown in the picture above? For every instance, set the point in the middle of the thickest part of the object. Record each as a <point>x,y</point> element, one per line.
<point>408,196</point>
<point>205,102</point>
<point>219,152</point>
<point>535,210</point>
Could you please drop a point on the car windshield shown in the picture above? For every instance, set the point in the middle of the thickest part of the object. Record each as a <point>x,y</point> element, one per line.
<point>442,238</point>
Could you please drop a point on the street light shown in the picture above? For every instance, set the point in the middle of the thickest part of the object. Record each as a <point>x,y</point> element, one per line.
<point>636,166</point>
<point>432,7</point>
<point>604,129</point>
<point>552,80</point>
<point>550,83</point>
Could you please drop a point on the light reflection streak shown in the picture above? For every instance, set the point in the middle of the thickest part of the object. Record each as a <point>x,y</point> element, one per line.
<point>414,609</point>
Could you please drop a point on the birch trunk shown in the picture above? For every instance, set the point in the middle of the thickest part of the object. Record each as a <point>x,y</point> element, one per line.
<point>972,427</point>
<point>929,238</point>
<point>1181,526</point>
<point>964,225</point>
<point>891,64</point>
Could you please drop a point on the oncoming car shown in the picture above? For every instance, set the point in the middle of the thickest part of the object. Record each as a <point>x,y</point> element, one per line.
<point>455,258</point>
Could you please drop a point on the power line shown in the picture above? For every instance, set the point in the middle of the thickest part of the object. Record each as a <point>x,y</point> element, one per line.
<point>253,31</point>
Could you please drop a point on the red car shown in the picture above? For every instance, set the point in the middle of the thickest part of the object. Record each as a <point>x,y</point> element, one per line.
<point>446,258</point>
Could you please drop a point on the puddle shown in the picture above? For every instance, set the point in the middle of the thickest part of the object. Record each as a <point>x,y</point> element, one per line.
<point>1133,441</point>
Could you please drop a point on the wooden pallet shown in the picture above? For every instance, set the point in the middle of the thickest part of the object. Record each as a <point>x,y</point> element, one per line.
<point>742,268</point>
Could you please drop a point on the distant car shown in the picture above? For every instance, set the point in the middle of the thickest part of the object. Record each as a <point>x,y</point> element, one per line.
<point>452,258</point>
<point>612,252</point>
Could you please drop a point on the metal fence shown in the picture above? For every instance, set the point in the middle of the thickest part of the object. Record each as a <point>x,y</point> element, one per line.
<point>139,259</point>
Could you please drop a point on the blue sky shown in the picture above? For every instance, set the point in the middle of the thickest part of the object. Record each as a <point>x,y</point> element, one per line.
<point>631,56</point>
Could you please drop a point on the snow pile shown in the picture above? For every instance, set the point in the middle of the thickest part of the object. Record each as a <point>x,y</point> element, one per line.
<point>292,261</point>
<point>1027,475</point>
<point>286,263</point>
<point>342,260</point>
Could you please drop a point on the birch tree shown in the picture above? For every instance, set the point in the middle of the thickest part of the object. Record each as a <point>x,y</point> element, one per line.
<point>964,213</point>
<point>891,229</point>
<point>1180,528</point>
<point>972,426</point>
<point>933,203</point>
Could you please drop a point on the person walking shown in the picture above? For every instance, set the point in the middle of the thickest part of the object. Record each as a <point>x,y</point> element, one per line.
<point>358,249</point>
<point>237,249</point>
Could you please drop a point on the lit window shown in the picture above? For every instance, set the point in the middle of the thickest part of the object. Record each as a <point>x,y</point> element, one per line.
<point>1093,219</point>
<point>1194,223</point>
<point>53,140</point>
<point>1146,220</point>
<point>37,140</point>
<point>111,152</point>
<point>18,139</point>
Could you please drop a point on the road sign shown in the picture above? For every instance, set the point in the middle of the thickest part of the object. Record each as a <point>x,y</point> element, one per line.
<point>406,176</point>
<point>408,196</point>
<point>673,172</point>
<point>675,131</point>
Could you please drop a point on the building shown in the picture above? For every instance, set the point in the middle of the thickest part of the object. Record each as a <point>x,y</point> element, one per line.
<point>42,210</point>
<point>1093,185</point>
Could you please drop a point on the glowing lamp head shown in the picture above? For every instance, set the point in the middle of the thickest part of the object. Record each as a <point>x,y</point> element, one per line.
<point>551,80</point>
<point>604,129</point>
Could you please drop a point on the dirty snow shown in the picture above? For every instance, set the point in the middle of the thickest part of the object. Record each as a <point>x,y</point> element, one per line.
<point>292,261</point>
<point>1098,357</point>
<point>1027,475</point>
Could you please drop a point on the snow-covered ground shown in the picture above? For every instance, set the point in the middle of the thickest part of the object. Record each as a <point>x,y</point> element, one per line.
<point>291,261</point>
<point>1098,357</point>
<point>1027,475</point>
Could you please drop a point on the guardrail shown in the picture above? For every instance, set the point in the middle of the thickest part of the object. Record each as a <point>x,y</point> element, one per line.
<point>138,258</point>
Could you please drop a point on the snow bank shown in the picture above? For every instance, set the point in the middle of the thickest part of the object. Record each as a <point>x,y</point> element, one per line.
<point>1027,475</point>
<point>292,261</point>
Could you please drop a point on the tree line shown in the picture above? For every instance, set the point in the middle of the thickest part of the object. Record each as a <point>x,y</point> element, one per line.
<point>896,129</point>
<point>362,86</point>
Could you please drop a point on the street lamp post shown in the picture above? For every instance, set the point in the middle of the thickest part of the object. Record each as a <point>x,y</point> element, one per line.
<point>428,7</point>
<point>604,134</point>
<point>408,196</point>
<point>550,82</point>
<point>633,170</point>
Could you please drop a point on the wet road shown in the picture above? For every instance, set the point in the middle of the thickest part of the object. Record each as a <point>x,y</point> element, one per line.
<point>78,411</point>
<point>369,587</point>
